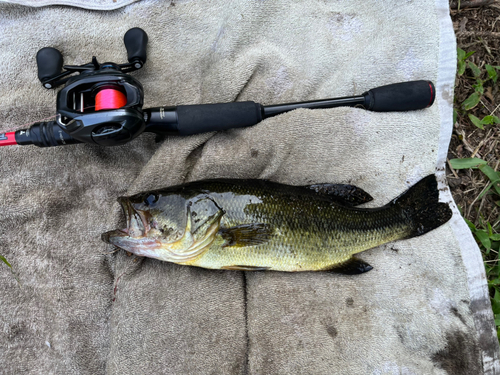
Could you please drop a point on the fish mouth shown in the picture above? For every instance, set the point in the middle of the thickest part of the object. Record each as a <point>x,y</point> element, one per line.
<point>137,224</point>
<point>137,220</point>
<point>143,246</point>
<point>111,236</point>
<point>133,238</point>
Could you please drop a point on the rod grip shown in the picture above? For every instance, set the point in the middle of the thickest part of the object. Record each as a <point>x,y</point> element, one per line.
<point>201,118</point>
<point>404,96</point>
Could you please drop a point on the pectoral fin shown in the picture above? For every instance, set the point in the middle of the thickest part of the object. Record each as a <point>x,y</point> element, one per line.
<point>244,268</point>
<point>246,234</point>
<point>352,266</point>
<point>346,195</point>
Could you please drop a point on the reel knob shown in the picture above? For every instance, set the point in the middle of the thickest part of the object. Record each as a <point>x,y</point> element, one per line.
<point>49,61</point>
<point>136,41</point>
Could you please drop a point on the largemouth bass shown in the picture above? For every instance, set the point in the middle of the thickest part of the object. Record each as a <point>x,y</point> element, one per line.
<point>262,225</point>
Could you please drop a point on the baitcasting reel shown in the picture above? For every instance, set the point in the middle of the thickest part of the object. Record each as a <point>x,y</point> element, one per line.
<point>103,104</point>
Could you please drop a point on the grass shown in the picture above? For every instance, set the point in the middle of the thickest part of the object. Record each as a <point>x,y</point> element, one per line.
<point>2,258</point>
<point>482,214</point>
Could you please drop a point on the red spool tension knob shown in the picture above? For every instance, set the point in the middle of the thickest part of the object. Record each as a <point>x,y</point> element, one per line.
<point>109,99</point>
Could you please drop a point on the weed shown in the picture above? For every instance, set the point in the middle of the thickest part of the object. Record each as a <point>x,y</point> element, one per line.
<point>481,77</point>
<point>2,258</point>
<point>480,81</point>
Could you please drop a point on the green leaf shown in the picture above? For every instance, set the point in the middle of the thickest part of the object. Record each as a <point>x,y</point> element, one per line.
<point>497,320</point>
<point>466,163</point>
<point>492,73</point>
<point>475,70</point>
<point>483,237</point>
<point>476,121</point>
<point>493,176</point>
<point>461,57</point>
<point>495,184</point>
<point>488,270</point>
<point>455,116</point>
<point>495,302</point>
<point>460,54</point>
<point>471,101</point>
<point>479,86</point>
<point>493,282</point>
<point>461,68</point>
<point>471,225</point>
<point>485,191</point>
<point>469,54</point>
<point>496,296</point>
<point>5,261</point>
<point>490,120</point>
<point>489,172</point>
<point>495,237</point>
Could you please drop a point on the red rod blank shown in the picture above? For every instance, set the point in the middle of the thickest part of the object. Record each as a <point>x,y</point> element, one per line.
<point>8,139</point>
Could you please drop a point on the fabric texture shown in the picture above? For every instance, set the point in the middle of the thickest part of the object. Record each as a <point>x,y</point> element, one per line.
<point>423,309</point>
<point>85,4</point>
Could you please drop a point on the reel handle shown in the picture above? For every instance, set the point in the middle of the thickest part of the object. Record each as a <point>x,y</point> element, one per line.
<point>136,41</point>
<point>49,61</point>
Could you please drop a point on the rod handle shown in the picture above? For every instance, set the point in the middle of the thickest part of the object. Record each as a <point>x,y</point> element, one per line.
<point>202,118</point>
<point>404,96</point>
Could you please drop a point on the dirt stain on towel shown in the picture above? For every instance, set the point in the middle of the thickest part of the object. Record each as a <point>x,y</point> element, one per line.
<point>460,356</point>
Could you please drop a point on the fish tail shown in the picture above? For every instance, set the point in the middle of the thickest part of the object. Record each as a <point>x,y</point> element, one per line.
<point>420,205</point>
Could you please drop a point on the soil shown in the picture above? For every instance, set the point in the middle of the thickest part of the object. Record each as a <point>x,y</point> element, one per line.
<point>477,29</point>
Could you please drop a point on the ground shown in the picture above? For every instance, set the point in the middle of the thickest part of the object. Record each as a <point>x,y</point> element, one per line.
<point>478,30</point>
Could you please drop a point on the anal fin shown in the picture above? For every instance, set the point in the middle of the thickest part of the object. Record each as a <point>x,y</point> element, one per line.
<point>353,266</point>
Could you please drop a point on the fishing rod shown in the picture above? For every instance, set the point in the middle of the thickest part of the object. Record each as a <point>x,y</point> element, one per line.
<point>102,104</point>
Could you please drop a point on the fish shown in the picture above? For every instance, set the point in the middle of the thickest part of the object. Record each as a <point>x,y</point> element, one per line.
<point>260,225</point>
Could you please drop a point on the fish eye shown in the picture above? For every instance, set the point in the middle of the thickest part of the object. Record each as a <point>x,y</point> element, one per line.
<point>151,199</point>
